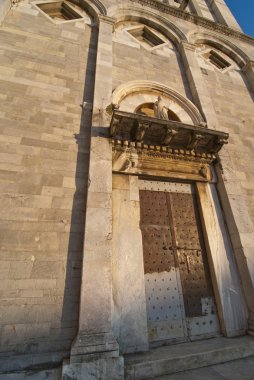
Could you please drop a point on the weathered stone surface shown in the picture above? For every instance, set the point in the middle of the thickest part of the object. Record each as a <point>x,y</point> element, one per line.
<point>43,180</point>
<point>58,80</point>
<point>104,369</point>
<point>174,359</point>
<point>129,316</point>
<point>227,286</point>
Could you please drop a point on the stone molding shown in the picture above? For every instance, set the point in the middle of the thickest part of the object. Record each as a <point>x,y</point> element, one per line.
<point>220,43</point>
<point>197,20</point>
<point>107,19</point>
<point>165,133</point>
<point>96,4</point>
<point>147,16</point>
<point>163,151</point>
<point>179,151</point>
<point>140,159</point>
<point>144,85</point>
<point>86,345</point>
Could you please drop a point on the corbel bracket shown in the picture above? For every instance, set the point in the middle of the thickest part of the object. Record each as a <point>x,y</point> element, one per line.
<point>141,131</point>
<point>218,143</point>
<point>169,135</point>
<point>194,141</point>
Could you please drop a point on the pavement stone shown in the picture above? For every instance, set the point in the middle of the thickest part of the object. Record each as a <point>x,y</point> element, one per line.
<point>242,369</point>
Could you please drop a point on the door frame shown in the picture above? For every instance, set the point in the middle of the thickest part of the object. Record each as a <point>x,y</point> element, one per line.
<point>129,303</point>
<point>130,163</point>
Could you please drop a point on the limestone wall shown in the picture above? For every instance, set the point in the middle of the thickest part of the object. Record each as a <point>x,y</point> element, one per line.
<point>134,61</point>
<point>232,99</point>
<point>44,148</point>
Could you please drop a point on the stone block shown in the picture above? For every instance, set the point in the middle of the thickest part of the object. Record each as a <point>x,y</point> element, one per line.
<point>100,177</point>
<point>53,374</point>
<point>4,269</point>
<point>47,269</point>
<point>99,200</point>
<point>13,376</point>
<point>20,269</point>
<point>98,227</point>
<point>103,369</point>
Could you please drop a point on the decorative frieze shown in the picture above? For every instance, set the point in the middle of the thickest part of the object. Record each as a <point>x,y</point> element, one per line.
<point>162,151</point>
<point>161,161</point>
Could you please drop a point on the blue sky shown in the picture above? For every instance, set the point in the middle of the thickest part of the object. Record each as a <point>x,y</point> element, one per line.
<point>243,10</point>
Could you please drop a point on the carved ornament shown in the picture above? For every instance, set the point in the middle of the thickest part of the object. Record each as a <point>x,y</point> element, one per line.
<point>151,131</point>
<point>161,161</point>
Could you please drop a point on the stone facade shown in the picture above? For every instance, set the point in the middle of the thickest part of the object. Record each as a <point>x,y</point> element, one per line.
<point>71,263</point>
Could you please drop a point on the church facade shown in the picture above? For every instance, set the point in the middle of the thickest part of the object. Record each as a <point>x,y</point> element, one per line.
<point>127,183</point>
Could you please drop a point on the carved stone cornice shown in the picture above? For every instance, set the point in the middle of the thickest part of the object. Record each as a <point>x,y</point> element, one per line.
<point>161,161</point>
<point>150,131</point>
<point>162,151</point>
<point>195,19</point>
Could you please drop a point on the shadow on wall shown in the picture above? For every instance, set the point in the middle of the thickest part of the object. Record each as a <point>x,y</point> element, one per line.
<point>70,310</point>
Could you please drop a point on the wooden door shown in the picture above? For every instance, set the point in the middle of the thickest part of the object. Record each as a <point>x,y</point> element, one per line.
<point>179,294</point>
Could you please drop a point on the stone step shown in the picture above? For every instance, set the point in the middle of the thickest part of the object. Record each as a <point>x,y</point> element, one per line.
<point>181,357</point>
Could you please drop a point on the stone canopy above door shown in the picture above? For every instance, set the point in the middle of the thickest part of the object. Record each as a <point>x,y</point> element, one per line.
<point>157,129</point>
<point>151,131</point>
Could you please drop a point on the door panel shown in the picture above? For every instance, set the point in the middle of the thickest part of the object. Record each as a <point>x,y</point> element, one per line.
<point>164,306</point>
<point>164,298</point>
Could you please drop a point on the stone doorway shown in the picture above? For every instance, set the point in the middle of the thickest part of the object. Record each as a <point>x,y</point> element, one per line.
<point>179,294</point>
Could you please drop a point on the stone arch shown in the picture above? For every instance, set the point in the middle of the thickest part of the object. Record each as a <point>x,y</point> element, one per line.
<point>93,7</point>
<point>222,44</point>
<point>131,13</point>
<point>146,91</point>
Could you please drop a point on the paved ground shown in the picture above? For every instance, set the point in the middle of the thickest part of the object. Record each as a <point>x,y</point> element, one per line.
<point>242,369</point>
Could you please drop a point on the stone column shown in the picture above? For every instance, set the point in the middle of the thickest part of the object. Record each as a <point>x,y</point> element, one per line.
<point>228,292</point>
<point>248,70</point>
<point>223,14</point>
<point>201,95</point>
<point>95,350</point>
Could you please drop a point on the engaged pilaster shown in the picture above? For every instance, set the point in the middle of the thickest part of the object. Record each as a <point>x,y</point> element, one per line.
<point>248,70</point>
<point>196,8</point>
<point>95,339</point>
<point>223,14</point>
<point>198,88</point>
